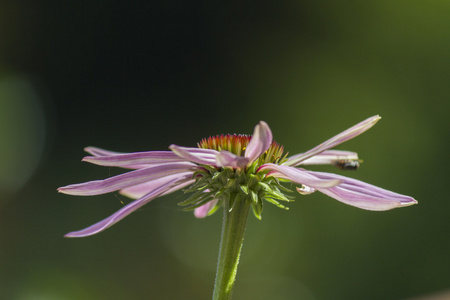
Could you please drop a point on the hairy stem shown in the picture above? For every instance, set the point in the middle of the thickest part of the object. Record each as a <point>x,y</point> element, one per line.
<point>235,215</point>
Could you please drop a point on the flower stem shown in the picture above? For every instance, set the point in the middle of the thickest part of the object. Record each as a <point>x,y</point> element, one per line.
<point>235,213</point>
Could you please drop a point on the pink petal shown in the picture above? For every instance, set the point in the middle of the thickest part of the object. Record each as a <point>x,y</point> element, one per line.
<point>100,152</point>
<point>334,141</point>
<point>260,141</point>
<point>140,190</point>
<point>203,211</point>
<point>128,209</point>
<point>135,160</point>
<point>298,175</point>
<point>362,195</point>
<point>329,157</point>
<point>125,180</point>
<point>196,155</point>
<point>228,159</point>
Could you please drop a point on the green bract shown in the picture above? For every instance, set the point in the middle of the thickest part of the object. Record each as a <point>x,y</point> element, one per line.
<point>235,184</point>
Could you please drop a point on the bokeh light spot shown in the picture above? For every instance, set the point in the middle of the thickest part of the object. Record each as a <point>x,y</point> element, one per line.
<point>22,132</point>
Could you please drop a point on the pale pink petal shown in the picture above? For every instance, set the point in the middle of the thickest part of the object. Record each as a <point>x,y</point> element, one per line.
<point>362,195</point>
<point>329,157</point>
<point>135,160</point>
<point>125,180</point>
<point>334,141</point>
<point>203,211</point>
<point>196,155</point>
<point>260,141</point>
<point>140,190</point>
<point>298,175</point>
<point>228,159</point>
<point>100,152</point>
<point>128,209</point>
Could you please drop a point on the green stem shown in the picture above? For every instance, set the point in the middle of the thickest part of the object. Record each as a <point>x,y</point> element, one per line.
<point>233,229</point>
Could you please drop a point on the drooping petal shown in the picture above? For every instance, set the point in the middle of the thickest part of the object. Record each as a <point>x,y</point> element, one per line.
<point>140,190</point>
<point>260,142</point>
<point>299,176</point>
<point>197,155</point>
<point>334,141</point>
<point>135,160</point>
<point>125,180</point>
<point>100,152</point>
<point>164,186</point>
<point>228,159</point>
<point>329,157</point>
<point>362,199</point>
<point>203,211</point>
<point>362,195</point>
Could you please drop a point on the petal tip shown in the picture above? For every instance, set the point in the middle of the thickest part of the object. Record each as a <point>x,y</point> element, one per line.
<point>88,148</point>
<point>72,234</point>
<point>75,235</point>
<point>263,123</point>
<point>61,190</point>
<point>410,202</point>
<point>68,190</point>
<point>260,141</point>
<point>199,215</point>
<point>376,118</point>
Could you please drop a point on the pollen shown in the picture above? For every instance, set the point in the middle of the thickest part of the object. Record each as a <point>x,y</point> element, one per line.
<point>237,143</point>
<point>234,143</point>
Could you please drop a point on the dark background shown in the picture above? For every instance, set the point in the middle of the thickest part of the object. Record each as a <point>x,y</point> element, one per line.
<point>134,76</point>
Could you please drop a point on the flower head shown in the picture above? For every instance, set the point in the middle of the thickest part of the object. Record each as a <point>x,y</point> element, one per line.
<point>248,168</point>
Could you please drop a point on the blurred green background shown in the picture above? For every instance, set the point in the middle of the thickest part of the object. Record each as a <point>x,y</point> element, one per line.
<point>134,76</point>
